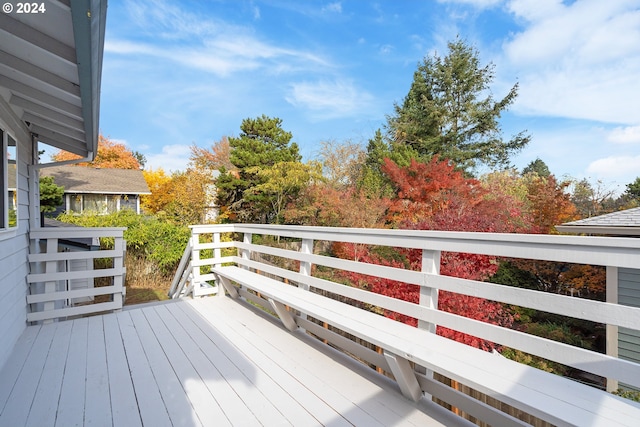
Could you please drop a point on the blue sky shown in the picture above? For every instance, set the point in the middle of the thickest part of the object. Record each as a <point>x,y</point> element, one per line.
<point>178,73</point>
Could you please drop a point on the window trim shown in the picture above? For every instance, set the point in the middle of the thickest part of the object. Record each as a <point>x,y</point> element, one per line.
<point>7,230</point>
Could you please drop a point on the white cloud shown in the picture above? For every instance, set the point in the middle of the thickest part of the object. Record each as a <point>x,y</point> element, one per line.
<point>615,167</point>
<point>625,135</point>
<point>335,7</point>
<point>214,46</point>
<point>385,49</point>
<point>480,4</point>
<point>172,158</point>
<point>329,99</point>
<point>578,60</point>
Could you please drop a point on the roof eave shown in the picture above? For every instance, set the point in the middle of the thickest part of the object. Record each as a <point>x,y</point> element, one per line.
<point>602,230</point>
<point>89,22</point>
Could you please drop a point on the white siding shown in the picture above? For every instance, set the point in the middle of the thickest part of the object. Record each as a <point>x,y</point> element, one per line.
<point>14,248</point>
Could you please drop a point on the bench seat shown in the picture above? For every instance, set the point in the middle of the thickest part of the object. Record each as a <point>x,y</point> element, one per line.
<point>558,400</point>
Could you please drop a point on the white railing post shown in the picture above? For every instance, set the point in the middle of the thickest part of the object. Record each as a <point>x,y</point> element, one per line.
<point>429,295</point>
<point>246,253</point>
<point>119,245</point>
<point>305,267</point>
<point>50,267</point>
<point>195,260</point>
<point>217,254</point>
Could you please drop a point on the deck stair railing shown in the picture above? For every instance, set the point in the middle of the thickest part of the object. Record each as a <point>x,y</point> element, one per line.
<point>69,278</point>
<point>192,277</point>
<point>615,254</point>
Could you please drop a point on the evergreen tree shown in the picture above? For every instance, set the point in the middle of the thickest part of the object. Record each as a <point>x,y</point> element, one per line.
<point>538,167</point>
<point>262,144</point>
<point>633,190</point>
<point>51,194</point>
<point>449,111</point>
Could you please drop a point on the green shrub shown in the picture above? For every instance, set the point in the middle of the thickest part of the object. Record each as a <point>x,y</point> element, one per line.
<point>628,394</point>
<point>147,236</point>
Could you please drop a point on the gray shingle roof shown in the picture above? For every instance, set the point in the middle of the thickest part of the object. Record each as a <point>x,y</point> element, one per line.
<point>625,222</point>
<point>79,179</point>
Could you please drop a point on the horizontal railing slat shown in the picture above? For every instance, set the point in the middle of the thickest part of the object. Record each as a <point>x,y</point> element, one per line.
<point>76,293</point>
<point>71,275</point>
<point>68,256</point>
<point>74,311</point>
<point>75,232</point>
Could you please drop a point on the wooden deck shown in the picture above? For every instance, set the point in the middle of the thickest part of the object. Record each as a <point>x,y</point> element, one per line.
<point>209,362</point>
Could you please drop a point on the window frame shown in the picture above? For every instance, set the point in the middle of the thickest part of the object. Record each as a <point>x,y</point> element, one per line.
<point>7,224</point>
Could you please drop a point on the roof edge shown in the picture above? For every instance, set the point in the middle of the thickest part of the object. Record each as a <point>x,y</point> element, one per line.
<point>89,21</point>
<point>593,229</point>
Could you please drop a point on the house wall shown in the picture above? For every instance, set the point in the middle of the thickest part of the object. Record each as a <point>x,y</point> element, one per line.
<point>629,294</point>
<point>14,245</point>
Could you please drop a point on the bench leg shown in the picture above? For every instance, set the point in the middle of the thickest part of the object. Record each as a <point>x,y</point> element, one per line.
<point>226,284</point>
<point>284,315</point>
<point>404,375</point>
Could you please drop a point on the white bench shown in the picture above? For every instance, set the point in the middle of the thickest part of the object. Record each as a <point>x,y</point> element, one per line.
<point>555,399</point>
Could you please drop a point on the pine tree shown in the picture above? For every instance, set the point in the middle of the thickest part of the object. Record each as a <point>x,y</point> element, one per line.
<point>449,111</point>
<point>262,144</point>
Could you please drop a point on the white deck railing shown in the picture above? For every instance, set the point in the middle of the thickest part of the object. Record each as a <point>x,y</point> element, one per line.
<point>62,282</point>
<point>613,253</point>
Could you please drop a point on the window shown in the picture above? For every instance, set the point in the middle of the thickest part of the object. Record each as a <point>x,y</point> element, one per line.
<point>95,203</point>
<point>9,177</point>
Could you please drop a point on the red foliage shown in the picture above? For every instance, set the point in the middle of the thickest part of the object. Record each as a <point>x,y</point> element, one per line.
<point>434,196</point>
<point>463,305</point>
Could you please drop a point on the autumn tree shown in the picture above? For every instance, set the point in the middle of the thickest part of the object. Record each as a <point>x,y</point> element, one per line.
<point>342,162</point>
<point>449,111</point>
<point>262,144</point>
<point>182,197</point>
<point>591,199</point>
<point>324,205</point>
<point>111,155</point>
<point>282,182</point>
<point>159,184</point>
<point>216,158</point>
<point>549,202</point>
<point>435,195</point>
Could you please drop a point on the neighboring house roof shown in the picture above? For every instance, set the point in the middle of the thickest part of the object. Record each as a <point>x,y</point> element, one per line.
<point>624,223</point>
<point>51,71</point>
<point>80,179</point>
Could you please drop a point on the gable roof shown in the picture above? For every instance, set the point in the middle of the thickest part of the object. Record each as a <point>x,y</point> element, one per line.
<point>79,179</point>
<point>50,73</point>
<point>625,222</point>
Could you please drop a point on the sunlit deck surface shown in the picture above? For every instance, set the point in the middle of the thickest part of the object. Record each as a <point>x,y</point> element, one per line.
<point>209,362</point>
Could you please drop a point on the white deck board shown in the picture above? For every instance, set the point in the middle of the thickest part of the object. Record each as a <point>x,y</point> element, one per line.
<point>97,407</point>
<point>150,403</point>
<point>203,402</point>
<point>71,401</point>
<point>360,402</point>
<point>124,409</point>
<point>16,410</point>
<point>43,409</point>
<point>225,396</point>
<point>212,361</point>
